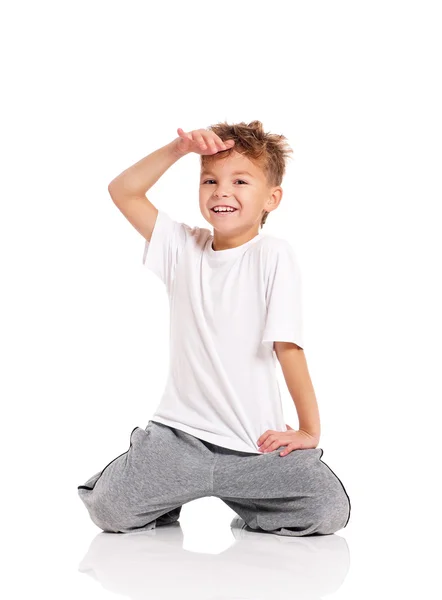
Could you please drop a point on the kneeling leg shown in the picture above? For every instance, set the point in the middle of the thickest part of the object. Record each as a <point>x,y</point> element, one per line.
<point>127,495</point>
<point>294,495</point>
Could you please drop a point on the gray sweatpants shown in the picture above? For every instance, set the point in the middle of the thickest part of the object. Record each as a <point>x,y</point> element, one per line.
<point>164,467</point>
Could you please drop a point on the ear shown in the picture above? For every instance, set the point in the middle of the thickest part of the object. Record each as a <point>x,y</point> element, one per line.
<point>276,197</point>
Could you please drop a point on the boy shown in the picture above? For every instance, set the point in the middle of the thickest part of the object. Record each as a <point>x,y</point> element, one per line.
<point>235,303</point>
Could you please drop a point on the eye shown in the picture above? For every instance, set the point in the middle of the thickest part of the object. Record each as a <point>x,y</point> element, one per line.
<point>207,180</point>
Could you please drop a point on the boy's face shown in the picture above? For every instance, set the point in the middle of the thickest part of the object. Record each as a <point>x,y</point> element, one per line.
<point>237,182</point>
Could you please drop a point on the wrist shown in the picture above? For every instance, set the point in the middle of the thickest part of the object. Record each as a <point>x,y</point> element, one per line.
<point>313,433</point>
<point>174,148</point>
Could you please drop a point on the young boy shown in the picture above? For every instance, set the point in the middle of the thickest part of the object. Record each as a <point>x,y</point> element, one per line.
<point>235,303</point>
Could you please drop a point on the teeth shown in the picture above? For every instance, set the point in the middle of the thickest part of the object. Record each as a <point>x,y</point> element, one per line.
<point>224,209</point>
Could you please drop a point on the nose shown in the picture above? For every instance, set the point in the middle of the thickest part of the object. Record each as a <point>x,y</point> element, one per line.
<point>219,194</point>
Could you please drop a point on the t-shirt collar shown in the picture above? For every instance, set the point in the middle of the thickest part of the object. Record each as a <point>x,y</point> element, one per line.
<point>228,253</point>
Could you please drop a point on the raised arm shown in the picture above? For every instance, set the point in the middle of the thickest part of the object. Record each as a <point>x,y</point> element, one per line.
<point>128,190</point>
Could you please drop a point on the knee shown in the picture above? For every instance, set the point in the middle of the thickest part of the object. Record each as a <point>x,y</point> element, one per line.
<point>100,510</point>
<point>333,512</point>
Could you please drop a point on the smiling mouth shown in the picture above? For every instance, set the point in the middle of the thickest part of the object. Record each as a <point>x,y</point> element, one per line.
<point>224,212</point>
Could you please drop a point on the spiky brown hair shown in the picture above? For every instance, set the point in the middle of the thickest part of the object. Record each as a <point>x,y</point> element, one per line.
<point>269,151</point>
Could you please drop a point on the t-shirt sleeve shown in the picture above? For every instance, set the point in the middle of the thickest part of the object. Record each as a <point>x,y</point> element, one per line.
<point>161,254</point>
<point>284,318</point>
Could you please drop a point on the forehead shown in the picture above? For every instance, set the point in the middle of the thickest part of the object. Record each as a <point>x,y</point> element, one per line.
<point>235,164</point>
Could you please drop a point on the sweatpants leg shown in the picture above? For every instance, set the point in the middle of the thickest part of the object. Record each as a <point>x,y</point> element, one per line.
<point>293,495</point>
<point>148,484</point>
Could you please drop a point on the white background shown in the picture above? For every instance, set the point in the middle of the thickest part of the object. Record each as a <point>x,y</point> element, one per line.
<point>89,88</point>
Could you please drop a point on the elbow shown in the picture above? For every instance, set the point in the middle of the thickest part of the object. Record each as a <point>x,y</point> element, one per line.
<point>117,190</point>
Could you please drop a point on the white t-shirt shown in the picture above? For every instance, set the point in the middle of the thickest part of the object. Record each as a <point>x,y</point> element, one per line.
<point>227,307</point>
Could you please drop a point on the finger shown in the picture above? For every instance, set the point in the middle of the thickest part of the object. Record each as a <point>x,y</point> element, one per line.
<point>220,143</point>
<point>183,135</point>
<point>210,141</point>
<point>270,445</point>
<point>264,446</point>
<point>273,446</point>
<point>264,443</point>
<point>262,438</point>
<point>268,449</point>
<point>288,449</point>
<point>198,138</point>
